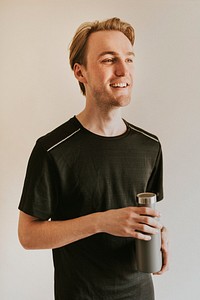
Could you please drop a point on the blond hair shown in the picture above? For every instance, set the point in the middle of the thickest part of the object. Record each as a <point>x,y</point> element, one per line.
<point>78,47</point>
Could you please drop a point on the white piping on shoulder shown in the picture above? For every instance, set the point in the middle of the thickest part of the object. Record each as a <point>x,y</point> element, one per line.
<point>63,140</point>
<point>149,136</point>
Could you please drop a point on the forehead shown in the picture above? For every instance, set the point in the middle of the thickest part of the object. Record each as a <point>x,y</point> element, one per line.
<point>108,41</point>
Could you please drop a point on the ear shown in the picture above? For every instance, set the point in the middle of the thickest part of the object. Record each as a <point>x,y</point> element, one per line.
<point>79,72</point>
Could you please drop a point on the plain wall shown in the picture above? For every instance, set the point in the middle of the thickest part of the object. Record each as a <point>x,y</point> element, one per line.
<point>39,92</point>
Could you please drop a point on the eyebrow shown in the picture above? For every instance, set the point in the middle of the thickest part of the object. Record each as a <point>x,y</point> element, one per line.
<point>114,53</point>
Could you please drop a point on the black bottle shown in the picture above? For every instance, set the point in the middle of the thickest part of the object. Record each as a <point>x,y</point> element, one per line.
<point>148,253</point>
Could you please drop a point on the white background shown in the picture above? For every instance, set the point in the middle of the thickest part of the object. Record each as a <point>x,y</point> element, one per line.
<point>38,92</point>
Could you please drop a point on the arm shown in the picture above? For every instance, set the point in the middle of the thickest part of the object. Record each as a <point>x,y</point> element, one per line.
<point>124,222</point>
<point>37,234</point>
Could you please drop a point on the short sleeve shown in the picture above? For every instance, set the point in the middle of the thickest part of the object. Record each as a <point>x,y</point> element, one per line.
<point>155,184</point>
<point>39,195</point>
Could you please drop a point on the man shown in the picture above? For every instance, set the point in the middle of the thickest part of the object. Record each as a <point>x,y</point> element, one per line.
<point>79,195</point>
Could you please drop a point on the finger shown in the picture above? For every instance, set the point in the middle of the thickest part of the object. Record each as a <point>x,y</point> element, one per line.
<point>146,229</point>
<point>165,268</point>
<point>150,221</point>
<point>148,211</point>
<point>165,259</point>
<point>141,236</point>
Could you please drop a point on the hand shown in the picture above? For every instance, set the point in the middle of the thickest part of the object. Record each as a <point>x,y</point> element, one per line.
<point>136,222</point>
<point>165,251</point>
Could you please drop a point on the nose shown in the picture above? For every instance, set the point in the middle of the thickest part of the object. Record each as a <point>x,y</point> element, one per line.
<point>121,69</point>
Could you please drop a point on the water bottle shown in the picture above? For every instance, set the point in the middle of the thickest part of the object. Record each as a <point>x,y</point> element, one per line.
<point>148,253</point>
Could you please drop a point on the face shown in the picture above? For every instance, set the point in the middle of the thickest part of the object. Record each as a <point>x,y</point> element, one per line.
<point>108,75</point>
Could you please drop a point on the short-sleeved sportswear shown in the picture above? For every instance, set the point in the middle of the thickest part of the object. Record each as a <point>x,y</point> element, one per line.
<point>73,172</point>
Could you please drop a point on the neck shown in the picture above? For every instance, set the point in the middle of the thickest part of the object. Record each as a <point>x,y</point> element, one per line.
<point>107,124</point>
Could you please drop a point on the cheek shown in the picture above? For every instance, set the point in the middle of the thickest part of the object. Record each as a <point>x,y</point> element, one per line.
<point>98,79</point>
<point>99,76</point>
<point>132,72</point>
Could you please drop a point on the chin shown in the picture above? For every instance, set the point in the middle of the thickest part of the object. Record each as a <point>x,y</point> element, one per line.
<point>122,101</point>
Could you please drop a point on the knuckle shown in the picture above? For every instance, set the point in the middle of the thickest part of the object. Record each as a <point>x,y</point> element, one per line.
<point>146,219</point>
<point>137,235</point>
<point>145,210</point>
<point>165,249</point>
<point>143,228</point>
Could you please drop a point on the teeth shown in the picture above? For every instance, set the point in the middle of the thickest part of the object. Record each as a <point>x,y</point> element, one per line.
<point>121,85</point>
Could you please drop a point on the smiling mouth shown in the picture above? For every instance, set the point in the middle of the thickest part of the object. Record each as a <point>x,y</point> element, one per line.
<point>119,85</point>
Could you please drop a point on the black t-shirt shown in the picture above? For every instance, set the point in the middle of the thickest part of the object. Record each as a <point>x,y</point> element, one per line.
<point>73,172</point>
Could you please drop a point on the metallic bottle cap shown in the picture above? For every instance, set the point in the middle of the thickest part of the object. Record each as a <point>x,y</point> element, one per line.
<point>146,198</point>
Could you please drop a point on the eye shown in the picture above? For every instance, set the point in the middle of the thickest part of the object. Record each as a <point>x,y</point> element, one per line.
<point>129,60</point>
<point>109,60</point>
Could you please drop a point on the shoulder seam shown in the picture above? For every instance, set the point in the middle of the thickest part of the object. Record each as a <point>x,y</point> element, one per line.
<point>146,134</point>
<point>67,137</point>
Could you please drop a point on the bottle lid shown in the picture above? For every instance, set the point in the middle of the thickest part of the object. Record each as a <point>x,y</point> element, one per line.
<point>146,198</point>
